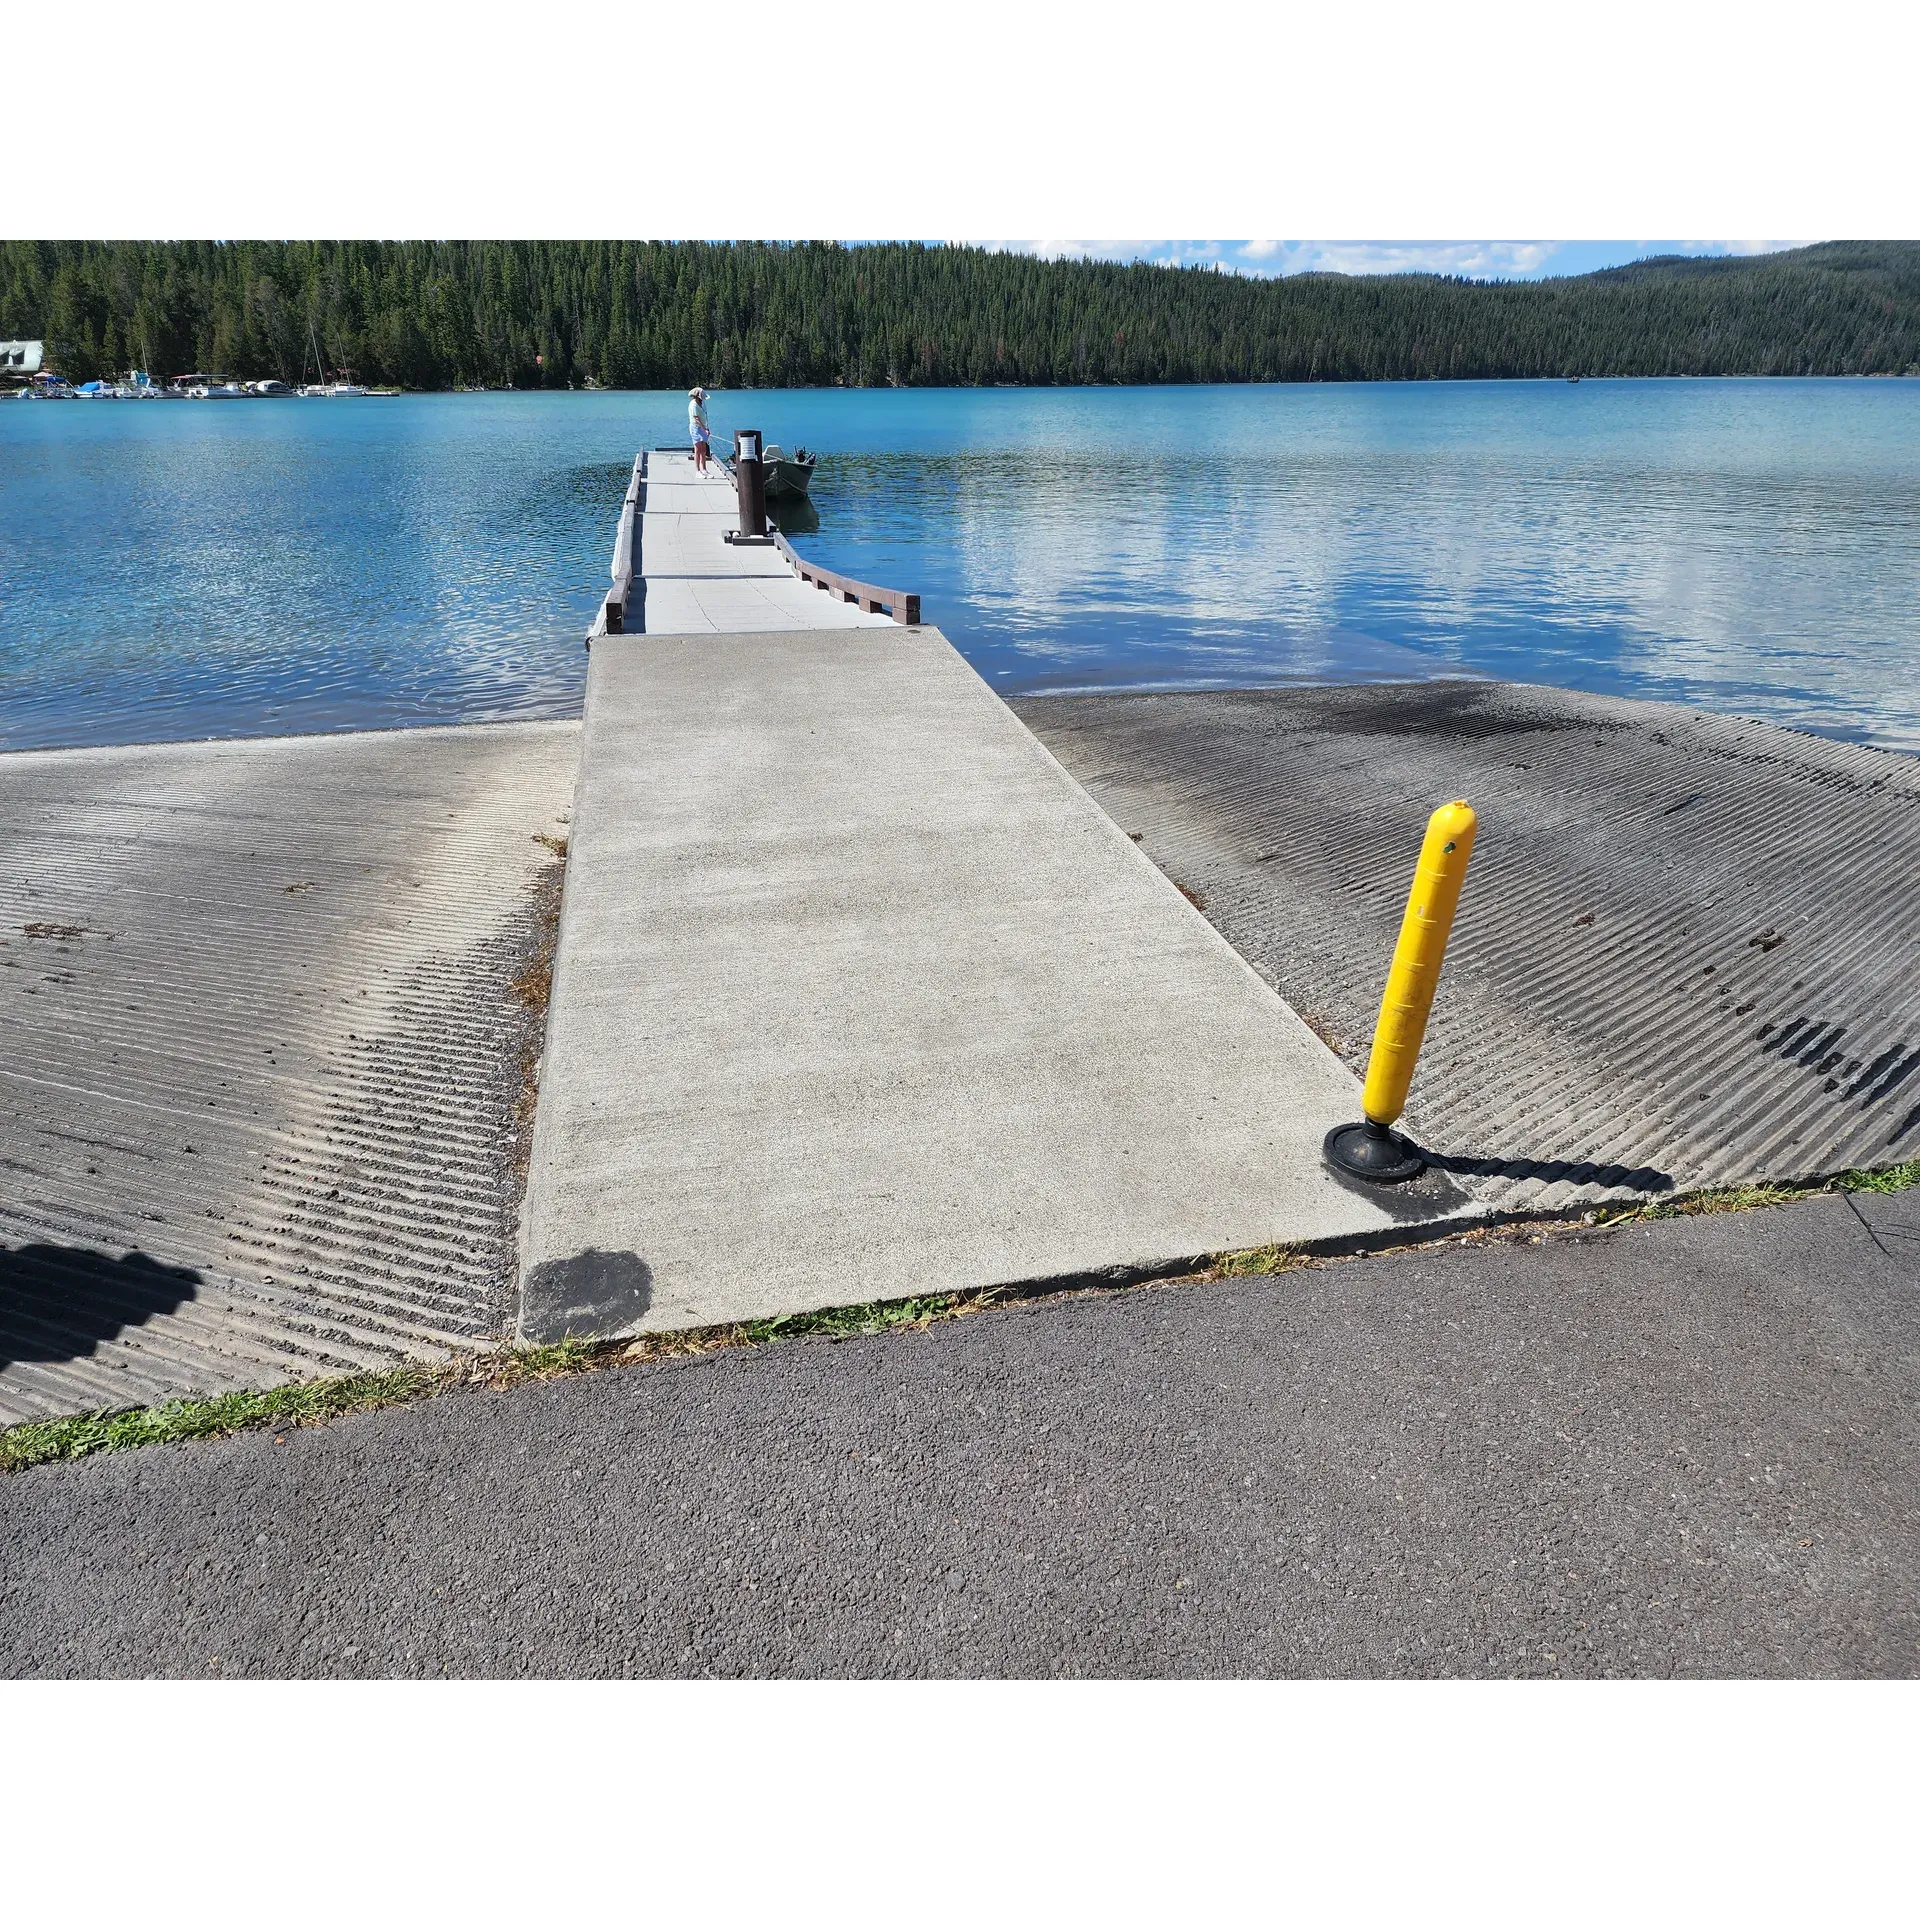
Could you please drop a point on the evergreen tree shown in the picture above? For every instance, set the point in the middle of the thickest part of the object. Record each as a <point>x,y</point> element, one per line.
<point>646,314</point>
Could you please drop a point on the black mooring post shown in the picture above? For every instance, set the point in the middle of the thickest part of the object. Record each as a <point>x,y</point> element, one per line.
<point>751,477</point>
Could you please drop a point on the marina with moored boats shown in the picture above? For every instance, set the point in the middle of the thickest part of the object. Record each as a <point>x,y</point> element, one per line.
<point>25,360</point>
<point>196,386</point>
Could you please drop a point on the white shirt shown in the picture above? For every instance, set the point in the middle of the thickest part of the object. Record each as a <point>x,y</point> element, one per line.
<point>696,416</point>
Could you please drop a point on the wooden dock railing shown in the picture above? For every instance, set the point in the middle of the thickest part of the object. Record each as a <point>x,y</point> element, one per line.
<point>612,617</point>
<point>613,610</point>
<point>904,607</point>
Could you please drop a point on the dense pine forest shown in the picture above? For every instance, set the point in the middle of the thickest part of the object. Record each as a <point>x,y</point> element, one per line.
<point>646,314</point>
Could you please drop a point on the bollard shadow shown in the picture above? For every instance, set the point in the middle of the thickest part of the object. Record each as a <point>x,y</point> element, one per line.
<point>1581,1173</point>
<point>63,1303</point>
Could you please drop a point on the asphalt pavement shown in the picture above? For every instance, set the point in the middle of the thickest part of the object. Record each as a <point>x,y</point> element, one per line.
<point>1684,1447</point>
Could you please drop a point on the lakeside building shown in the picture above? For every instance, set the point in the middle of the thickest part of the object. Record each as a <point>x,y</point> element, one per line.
<point>21,360</point>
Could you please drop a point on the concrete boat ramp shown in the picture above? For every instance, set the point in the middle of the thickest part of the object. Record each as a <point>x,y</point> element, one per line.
<point>262,1057</point>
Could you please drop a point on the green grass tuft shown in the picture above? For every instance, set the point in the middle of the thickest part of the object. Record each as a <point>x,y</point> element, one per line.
<point>888,1316</point>
<point>1741,1199</point>
<point>1722,1200</point>
<point>1259,1260</point>
<point>307,1403</point>
<point>1881,1179</point>
<point>301,1404</point>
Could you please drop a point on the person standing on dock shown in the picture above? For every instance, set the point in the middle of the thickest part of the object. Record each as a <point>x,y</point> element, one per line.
<point>697,427</point>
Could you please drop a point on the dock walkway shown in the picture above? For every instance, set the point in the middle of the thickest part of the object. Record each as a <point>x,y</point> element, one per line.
<point>859,996</point>
<point>693,581</point>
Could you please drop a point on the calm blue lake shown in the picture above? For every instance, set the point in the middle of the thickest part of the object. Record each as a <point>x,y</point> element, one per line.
<point>175,570</point>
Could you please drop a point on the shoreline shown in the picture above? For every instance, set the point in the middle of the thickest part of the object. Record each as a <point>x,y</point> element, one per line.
<point>1014,696</point>
<point>1123,386</point>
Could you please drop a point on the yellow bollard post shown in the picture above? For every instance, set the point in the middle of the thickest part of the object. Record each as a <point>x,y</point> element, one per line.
<point>1369,1148</point>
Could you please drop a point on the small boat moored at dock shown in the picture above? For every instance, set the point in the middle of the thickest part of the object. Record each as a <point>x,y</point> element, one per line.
<point>788,479</point>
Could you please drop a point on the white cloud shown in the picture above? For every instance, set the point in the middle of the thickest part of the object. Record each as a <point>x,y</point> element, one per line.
<point>1738,246</point>
<point>1065,249</point>
<point>1478,259</point>
<point>1473,259</point>
<point>1087,249</point>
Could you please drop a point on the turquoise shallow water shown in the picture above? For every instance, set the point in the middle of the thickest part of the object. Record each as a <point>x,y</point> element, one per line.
<point>175,570</point>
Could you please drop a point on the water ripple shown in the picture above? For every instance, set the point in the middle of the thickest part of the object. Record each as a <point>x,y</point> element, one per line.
<point>182,570</point>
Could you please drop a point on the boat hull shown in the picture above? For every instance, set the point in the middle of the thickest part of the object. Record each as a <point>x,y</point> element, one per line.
<point>788,479</point>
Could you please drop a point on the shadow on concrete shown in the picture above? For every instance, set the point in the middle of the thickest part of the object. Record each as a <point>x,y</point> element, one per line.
<point>1582,1173</point>
<point>591,1295</point>
<point>62,1303</point>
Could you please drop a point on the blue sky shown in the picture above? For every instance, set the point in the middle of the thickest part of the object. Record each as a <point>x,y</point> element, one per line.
<point>1479,259</point>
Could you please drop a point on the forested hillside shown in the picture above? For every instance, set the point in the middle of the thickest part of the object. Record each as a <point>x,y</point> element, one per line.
<point>647,314</point>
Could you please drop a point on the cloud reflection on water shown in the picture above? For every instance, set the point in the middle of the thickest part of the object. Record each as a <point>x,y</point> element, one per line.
<point>1754,550</point>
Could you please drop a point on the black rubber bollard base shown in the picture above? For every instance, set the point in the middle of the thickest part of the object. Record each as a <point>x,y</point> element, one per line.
<point>1370,1151</point>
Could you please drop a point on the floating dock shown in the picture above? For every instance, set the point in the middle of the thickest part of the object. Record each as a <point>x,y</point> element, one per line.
<point>690,579</point>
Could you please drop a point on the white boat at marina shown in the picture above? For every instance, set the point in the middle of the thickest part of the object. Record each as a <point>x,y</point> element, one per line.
<point>340,387</point>
<point>269,389</point>
<point>205,386</point>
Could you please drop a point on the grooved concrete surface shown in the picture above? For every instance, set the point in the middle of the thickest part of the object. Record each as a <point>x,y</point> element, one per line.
<point>694,582</point>
<point>1686,952</point>
<point>859,995</point>
<point>259,1057</point>
<point>1688,1447</point>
